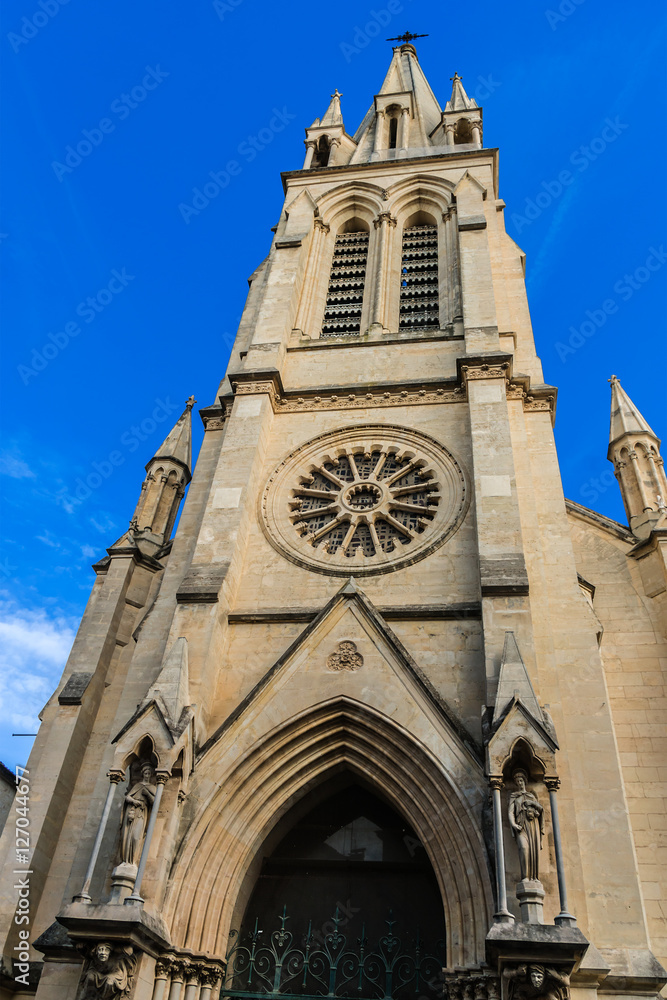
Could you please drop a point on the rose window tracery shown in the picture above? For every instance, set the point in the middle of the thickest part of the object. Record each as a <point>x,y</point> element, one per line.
<point>391,499</point>
<point>364,503</point>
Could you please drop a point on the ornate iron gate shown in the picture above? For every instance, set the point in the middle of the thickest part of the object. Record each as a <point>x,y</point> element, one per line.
<point>330,965</point>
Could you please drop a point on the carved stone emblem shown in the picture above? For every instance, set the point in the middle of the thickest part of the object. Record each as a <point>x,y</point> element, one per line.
<point>536,982</point>
<point>108,973</point>
<point>347,657</point>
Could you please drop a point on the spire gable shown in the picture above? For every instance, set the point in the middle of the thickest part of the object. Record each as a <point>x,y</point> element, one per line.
<point>177,446</point>
<point>625,417</point>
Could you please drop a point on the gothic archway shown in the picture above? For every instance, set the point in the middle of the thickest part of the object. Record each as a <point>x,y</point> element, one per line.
<point>220,858</point>
<point>343,847</point>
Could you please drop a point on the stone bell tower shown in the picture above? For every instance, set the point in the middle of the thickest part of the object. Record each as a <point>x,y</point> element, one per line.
<point>351,732</point>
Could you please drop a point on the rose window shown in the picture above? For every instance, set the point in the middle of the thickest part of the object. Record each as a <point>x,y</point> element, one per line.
<point>371,503</point>
<point>356,503</point>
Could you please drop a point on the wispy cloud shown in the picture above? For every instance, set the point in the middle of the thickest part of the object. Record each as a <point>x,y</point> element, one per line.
<point>34,645</point>
<point>104,524</point>
<point>11,464</point>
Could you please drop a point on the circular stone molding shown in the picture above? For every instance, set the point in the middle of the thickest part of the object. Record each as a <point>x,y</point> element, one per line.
<point>364,500</point>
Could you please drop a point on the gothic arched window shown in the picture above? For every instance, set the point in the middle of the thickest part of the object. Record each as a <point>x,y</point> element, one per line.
<point>463,132</point>
<point>393,131</point>
<point>322,152</point>
<point>345,295</point>
<point>419,308</point>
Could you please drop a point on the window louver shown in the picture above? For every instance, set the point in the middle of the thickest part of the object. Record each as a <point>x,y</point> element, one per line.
<point>419,279</point>
<point>342,314</point>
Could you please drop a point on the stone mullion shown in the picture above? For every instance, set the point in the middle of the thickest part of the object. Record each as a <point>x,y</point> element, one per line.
<point>384,225</point>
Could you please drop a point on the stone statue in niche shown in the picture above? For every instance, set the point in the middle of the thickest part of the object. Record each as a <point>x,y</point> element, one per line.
<point>108,973</point>
<point>136,809</point>
<point>536,982</point>
<point>526,817</point>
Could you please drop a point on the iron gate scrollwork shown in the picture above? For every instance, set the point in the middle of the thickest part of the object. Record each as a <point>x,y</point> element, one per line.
<point>330,965</point>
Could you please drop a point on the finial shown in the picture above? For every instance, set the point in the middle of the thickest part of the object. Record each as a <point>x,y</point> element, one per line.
<point>455,77</point>
<point>335,94</point>
<point>613,380</point>
<point>190,402</point>
<point>407,37</point>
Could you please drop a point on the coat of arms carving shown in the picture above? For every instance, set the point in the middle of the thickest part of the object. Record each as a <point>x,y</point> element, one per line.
<point>347,657</point>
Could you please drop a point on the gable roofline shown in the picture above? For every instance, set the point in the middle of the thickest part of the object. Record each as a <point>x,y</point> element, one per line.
<point>600,521</point>
<point>350,591</point>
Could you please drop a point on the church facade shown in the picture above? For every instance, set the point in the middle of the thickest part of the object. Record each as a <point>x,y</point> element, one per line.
<point>384,718</point>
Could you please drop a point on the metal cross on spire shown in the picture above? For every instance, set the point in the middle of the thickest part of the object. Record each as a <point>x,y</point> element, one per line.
<point>407,37</point>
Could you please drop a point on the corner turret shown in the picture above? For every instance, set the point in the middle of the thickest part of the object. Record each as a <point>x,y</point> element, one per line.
<point>168,473</point>
<point>634,451</point>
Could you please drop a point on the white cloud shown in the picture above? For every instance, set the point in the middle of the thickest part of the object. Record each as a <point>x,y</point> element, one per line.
<point>48,539</point>
<point>34,645</point>
<point>88,552</point>
<point>12,465</point>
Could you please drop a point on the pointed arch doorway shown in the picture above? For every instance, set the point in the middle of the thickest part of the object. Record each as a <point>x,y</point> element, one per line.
<point>346,902</point>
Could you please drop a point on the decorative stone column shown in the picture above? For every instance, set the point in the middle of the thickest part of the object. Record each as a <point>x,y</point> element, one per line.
<point>115,777</point>
<point>193,982</point>
<point>162,971</point>
<point>310,152</point>
<point>476,128</point>
<point>135,897</point>
<point>210,977</point>
<point>383,225</point>
<point>502,914</point>
<point>404,129</point>
<point>564,918</point>
<point>379,134</point>
<point>178,974</point>
<point>634,458</point>
<point>333,147</point>
<point>449,134</point>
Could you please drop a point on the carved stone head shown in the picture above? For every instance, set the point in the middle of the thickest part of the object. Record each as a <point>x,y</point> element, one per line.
<point>146,772</point>
<point>520,779</point>
<point>537,976</point>
<point>102,952</point>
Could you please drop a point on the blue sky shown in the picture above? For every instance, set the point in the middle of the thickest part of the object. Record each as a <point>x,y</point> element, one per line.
<point>137,305</point>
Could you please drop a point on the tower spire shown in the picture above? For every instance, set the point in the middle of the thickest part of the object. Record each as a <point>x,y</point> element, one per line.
<point>634,451</point>
<point>459,101</point>
<point>333,114</point>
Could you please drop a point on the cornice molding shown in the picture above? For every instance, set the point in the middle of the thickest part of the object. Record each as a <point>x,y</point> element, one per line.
<point>408,392</point>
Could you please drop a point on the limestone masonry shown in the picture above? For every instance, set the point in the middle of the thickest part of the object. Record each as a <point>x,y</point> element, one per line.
<point>385,718</point>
